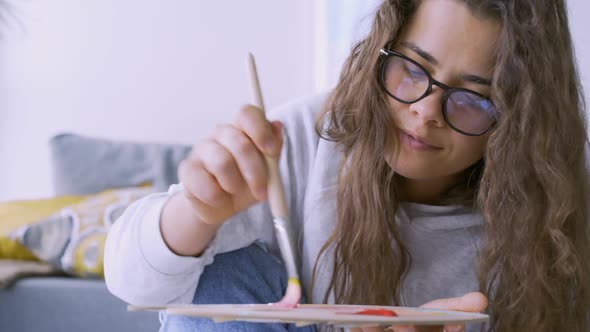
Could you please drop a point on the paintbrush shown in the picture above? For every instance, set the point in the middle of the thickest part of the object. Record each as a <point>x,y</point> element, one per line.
<point>278,206</point>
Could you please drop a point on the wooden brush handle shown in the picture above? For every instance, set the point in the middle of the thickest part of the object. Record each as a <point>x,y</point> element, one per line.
<point>276,192</point>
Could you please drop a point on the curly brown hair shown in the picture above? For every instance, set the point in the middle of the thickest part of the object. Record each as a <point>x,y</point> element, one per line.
<point>531,186</point>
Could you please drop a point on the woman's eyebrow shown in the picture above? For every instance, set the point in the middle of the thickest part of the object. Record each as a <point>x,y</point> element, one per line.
<point>477,79</point>
<point>427,56</point>
<point>432,60</point>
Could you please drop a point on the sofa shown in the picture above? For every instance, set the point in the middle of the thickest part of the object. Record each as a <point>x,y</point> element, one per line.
<point>68,304</point>
<point>81,166</point>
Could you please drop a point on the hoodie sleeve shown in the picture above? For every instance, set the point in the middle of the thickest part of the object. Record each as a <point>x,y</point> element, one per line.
<point>141,269</point>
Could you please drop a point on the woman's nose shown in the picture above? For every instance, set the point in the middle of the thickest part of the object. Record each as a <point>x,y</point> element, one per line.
<point>429,108</point>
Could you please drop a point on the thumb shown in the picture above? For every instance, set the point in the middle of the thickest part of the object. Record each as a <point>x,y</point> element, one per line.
<point>470,302</point>
<point>277,127</point>
<point>277,131</point>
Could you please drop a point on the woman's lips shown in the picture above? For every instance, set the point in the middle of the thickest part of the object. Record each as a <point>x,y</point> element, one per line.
<point>416,143</point>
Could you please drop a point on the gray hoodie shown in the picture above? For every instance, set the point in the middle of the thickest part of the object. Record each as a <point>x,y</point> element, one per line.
<point>443,241</point>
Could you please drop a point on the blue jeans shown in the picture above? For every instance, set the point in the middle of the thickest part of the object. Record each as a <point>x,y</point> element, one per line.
<point>248,275</point>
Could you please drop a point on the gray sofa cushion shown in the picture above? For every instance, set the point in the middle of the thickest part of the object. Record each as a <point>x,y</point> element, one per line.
<point>85,165</point>
<point>67,304</point>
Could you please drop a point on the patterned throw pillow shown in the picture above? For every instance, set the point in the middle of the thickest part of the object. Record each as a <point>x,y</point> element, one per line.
<point>67,232</point>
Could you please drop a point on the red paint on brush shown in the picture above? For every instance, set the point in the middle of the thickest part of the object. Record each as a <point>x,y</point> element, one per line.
<point>377,312</point>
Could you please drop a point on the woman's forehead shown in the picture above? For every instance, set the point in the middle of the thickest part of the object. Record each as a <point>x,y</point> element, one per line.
<point>450,32</point>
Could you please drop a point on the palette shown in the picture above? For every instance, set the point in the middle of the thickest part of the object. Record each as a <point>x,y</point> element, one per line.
<point>336,315</point>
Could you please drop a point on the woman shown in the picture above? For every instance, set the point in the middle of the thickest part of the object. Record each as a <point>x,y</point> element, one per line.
<point>449,160</point>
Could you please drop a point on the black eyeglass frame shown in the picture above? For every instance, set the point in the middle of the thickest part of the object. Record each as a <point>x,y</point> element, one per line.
<point>431,81</point>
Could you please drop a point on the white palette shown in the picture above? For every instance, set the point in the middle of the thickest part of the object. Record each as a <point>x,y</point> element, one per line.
<point>337,315</point>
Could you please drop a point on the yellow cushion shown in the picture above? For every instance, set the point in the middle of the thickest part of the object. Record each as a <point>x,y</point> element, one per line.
<point>15,214</point>
<point>67,232</point>
<point>12,249</point>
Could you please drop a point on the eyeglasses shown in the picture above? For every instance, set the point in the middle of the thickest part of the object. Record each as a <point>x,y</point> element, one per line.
<point>464,110</point>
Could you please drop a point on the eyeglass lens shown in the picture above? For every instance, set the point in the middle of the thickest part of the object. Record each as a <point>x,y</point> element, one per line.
<point>464,111</point>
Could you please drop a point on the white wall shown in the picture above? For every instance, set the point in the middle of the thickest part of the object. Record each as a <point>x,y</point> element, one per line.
<point>580,28</point>
<point>146,70</point>
<point>165,70</point>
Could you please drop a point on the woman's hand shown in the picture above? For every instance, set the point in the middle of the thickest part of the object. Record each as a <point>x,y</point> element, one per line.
<point>470,302</point>
<point>224,174</point>
<point>227,172</point>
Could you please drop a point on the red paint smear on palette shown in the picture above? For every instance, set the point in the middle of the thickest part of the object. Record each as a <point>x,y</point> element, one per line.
<point>377,312</point>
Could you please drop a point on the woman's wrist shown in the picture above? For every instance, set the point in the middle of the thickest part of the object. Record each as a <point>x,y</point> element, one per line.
<point>182,229</point>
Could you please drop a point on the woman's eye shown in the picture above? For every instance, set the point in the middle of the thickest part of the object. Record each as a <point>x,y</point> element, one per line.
<point>414,72</point>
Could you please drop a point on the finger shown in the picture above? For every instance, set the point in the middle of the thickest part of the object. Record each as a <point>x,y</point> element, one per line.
<point>253,122</point>
<point>204,212</point>
<point>410,328</point>
<point>402,328</point>
<point>367,329</point>
<point>220,163</point>
<point>372,329</point>
<point>454,328</point>
<point>470,302</point>
<point>202,185</point>
<point>430,329</point>
<point>249,160</point>
<point>277,130</point>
